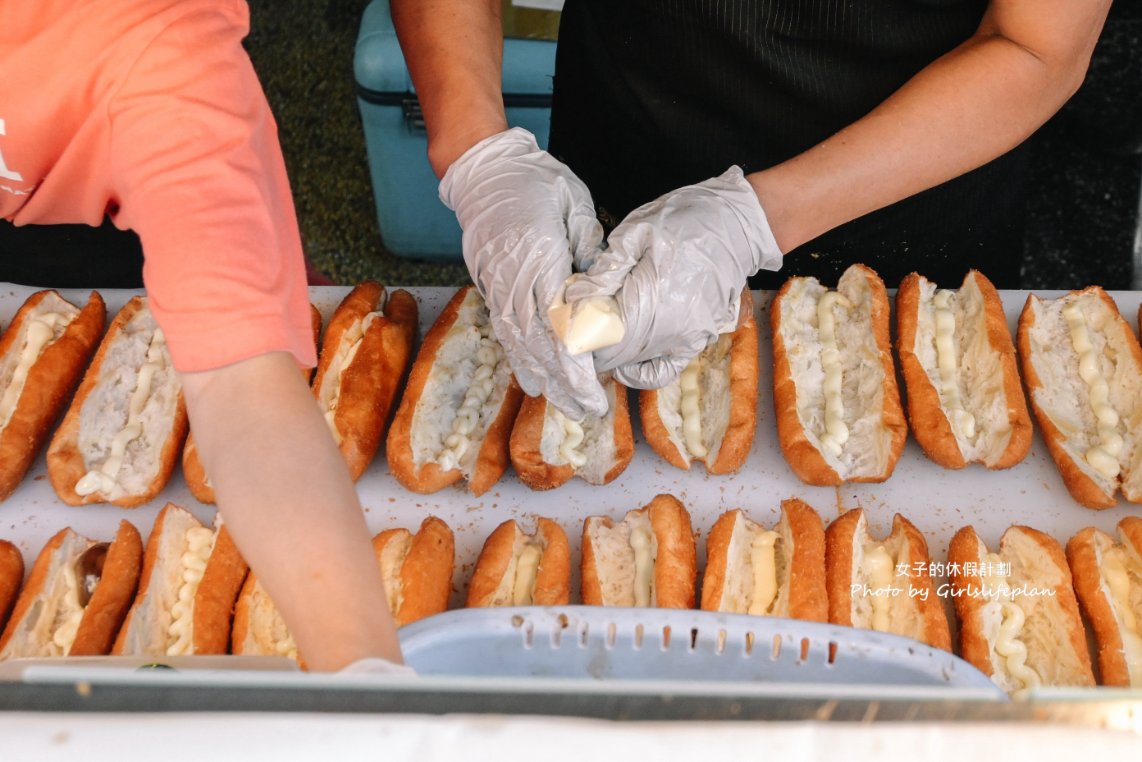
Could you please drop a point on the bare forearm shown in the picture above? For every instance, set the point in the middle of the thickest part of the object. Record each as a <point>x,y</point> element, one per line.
<point>454,50</point>
<point>286,496</point>
<point>970,106</point>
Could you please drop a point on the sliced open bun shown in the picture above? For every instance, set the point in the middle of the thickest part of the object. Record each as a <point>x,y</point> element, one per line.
<point>42,356</point>
<point>125,428</point>
<point>778,572</point>
<point>191,578</point>
<point>518,569</point>
<point>709,413</point>
<point>417,569</point>
<point>76,596</point>
<point>1107,574</point>
<point>457,411</point>
<point>965,400</point>
<point>883,585</point>
<point>547,448</point>
<point>1019,620</point>
<point>363,361</point>
<point>858,432</point>
<point>1095,458</point>
<point>647,559</point>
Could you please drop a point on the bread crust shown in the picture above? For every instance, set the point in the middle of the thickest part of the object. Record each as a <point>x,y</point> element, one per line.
<point>927,418</point>
<point>192,470</point>
<point>804,459</point>
<point>1085,490</point>
<point>217,595</point>
<point>840,574</point>
<point>527,434</point>
<point>965,548</point>
<point>108,604</point>
<point>370,382</point>
<point>743,390</point>
<point>492,458</point>
<point>675,567</point>
<point>48,386</point>
<point>253,601</point>
<point>552,578</point>
<point>11,579</point>
<point>426,573</point>
<point>805,577</point>
<point>66,465</point>
<point>1083,553</point>
<point>214,598</point>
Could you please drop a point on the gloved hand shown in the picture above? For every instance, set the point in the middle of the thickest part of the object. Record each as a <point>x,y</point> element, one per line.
<point>677,267</point>
<point>526,217</point>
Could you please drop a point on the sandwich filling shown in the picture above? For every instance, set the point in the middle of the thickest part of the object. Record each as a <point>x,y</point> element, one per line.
<point>625,555</point>
<point>392,559</point>
<point>329,395</point>
<point>53,620</point>
<point>757,569</point>
<point>883,593</point>
<point>1121,572</point>
<point>835,363</point>
<point>695,408</point>
<point>1006,634</point>
<point>953,347</point>
<point>268,634</point>
<point>45,323</point>
<point>1103,454</point>
<point>128,413</point>
<point>587,446</point>
<point>199,544</point>
<point>463,393</point>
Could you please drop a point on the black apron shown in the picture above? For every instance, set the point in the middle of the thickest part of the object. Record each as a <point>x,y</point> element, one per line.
<point>651,95</point>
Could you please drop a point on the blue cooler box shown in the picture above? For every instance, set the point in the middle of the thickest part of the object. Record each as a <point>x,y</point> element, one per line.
<point>413,221</point>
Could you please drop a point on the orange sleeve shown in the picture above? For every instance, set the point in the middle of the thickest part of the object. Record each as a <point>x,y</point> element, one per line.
<point>199,174</point>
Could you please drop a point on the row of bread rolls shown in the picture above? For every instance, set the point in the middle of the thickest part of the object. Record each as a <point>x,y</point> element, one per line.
<point>839,416</point>
<point>1019,622</point>
<point>126,424</point>
<point>189,592</point>
<point>462,417</point>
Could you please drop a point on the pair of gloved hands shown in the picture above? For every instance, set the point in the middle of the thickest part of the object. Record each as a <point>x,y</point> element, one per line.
<point>676,266</point>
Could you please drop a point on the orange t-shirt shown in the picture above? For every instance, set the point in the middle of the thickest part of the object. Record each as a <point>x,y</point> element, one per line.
<point>149,111</point>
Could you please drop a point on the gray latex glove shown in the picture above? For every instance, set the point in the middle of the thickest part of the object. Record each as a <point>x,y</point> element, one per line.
<point>677,267</point>
<point>526,217</point>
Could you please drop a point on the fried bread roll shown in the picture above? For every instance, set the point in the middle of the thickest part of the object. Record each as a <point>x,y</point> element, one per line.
<point>1019,620</point>
<point>1107,577</point>
<point>965,400</point>
<point>834,384</point>
<point>517,569</point>
<point>258,628</point>
<point>76,596</point>
<point>42,356</point>
<point>1083,369</point>
<point>364,358</point>
<point>456,415</point>
<point>883,585</point>
<point>125,428</point>
<point>417,569</point>
<point>11,578</point>
<point>417,572</point>
<point>647,559</point>
<point>547,448</point>
<point>191,577</point>
<point>709,413</point>
<point>767,572</point>
<point>193,472</point>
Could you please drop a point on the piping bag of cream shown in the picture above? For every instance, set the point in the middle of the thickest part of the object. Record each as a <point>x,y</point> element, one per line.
<point>586,325</point>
